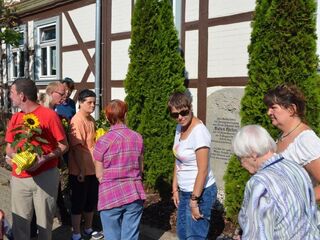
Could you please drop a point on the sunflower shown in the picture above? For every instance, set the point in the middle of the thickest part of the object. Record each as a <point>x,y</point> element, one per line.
<point>99,133</point>
<point>31,121</point>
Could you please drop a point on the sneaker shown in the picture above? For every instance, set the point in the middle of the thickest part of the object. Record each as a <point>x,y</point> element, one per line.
<point>94,235</point>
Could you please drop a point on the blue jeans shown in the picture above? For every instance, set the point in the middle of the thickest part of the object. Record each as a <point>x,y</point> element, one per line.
<point>187,228</point>
<point>122,222</point>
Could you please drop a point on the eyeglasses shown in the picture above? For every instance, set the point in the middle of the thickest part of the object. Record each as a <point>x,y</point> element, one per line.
<point>182,113</point>
<point>61,94</point>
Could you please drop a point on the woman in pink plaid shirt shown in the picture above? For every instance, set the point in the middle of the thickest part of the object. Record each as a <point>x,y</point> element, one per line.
<point>119,164</point>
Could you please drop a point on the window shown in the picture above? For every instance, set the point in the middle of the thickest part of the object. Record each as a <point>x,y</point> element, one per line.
<point>17,56</point>
<point>47,45</point>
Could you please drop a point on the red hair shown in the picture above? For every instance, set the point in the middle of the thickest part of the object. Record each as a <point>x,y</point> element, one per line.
<point>116,111</point>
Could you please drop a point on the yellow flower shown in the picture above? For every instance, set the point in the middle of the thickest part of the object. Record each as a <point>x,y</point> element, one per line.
<point>99,133</point>
<point>23,160</point>
<point>31,121</point>
<point>65,123</point>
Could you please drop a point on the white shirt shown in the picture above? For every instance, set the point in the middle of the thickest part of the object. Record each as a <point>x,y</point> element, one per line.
<point>304,149</point>
<point>185,153</point>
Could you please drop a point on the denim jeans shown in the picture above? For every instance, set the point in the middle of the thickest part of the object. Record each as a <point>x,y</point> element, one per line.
<point>187,228</point>
<point>122,222</point>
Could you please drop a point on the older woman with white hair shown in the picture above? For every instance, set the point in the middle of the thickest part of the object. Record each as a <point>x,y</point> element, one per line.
<point>279,201</point>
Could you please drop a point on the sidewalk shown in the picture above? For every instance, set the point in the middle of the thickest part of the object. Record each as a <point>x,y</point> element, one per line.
<point>64,232</point>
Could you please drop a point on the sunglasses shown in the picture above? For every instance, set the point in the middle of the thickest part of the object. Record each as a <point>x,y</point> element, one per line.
<point>61,94</point>
<point>182,113</point>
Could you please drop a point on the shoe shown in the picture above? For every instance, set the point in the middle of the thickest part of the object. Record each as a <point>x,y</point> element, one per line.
<point>94,235</point>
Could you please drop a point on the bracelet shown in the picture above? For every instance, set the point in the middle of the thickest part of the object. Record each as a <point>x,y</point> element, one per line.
<point>194,197</point>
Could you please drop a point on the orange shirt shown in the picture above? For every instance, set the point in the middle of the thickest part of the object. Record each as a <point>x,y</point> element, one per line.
<point>82,134</point>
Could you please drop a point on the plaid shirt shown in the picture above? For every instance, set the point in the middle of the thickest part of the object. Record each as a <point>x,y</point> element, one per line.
<point>119,152</point>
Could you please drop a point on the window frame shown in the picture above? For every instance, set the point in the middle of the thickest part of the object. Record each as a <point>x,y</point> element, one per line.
<point>39,26</point>
<point>12,50</point>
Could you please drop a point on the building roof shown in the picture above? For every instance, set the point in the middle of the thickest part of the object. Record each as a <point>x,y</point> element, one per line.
<point>29,7</point>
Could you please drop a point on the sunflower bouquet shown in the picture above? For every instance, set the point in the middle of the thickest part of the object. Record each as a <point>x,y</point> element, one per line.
<point>27,141</point>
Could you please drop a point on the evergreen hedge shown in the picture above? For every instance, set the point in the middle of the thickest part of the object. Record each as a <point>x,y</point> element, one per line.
<point>156,70</point>
<point>282,50</point>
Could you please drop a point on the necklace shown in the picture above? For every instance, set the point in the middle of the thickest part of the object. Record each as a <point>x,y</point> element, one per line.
<point>286,135</point>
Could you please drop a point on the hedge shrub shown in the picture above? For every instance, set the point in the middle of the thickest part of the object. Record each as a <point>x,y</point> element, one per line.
<point>156,70</point>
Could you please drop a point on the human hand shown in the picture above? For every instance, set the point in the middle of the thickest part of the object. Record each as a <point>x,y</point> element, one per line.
<point>237,237</point>
<point>175,198</point>
<point>9,159</point>
<point>38,162</point>
<point>80,177</point>
<point>195,211</point>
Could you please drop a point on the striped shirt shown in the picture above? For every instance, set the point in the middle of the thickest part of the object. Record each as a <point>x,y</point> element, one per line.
<point>119,151</point>
<point>279,203</point>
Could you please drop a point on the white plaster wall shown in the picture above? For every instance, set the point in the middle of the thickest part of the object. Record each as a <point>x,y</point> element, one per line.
<point>67,35</point>
<point>84,19</point>
<point>227,50</point>
<point>119,59</point>
<point>118,93</point>
<point>75,64</point>
<point>192,10</point>
<point>121,16</point>
<point>219,8</point>
<point>191,53</point>
<point>194,93</point>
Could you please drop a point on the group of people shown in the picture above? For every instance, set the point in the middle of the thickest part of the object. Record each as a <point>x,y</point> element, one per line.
<point>106,174</point>
<point>280,199</point>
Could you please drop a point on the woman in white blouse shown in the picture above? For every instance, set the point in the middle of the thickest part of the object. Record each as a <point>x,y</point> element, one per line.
<point>297,141</point>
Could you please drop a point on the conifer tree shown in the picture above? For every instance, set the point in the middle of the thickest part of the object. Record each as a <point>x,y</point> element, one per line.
<point>156,70</point>
<point>282,50</point>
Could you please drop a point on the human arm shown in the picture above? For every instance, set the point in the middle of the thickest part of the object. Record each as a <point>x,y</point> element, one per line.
<point>9,154</point>
<point>175,188</point>
<point>314,169</point>
<point>99,170</point>
<point>202,158</point>
<point>61,148</point>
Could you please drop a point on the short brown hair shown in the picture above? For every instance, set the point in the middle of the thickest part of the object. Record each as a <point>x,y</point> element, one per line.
<point>116,111</point>
<point>27,87</point>
<point>179,100</point>
<point>286,95</point>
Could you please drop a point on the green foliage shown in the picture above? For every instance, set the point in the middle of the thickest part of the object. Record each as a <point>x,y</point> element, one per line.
<point>282,50</point>
<point>102,122</point>
<point>155,71</point>
<point>8,22</point>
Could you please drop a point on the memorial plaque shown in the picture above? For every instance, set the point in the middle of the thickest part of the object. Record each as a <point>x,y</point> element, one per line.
<point>223,121</point>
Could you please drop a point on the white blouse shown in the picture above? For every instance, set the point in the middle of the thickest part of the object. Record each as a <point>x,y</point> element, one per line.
<point>304,149</point>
